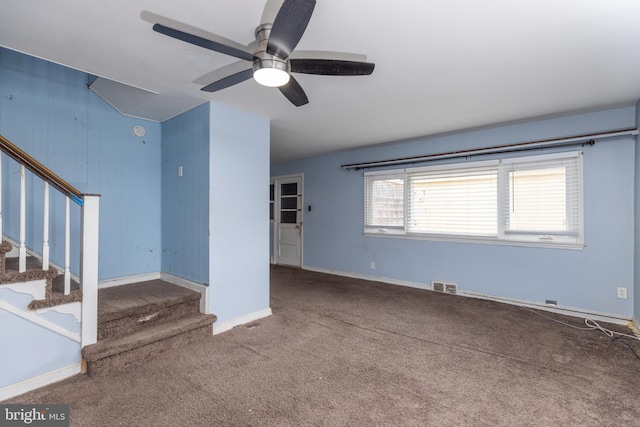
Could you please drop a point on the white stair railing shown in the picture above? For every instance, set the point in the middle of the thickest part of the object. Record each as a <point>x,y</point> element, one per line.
<point>89,233</point>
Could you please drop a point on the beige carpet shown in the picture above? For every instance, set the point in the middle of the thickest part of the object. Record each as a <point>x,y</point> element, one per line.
<point>345,352</point>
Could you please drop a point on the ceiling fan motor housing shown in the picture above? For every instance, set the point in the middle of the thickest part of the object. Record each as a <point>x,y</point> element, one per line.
<point>265,61</point>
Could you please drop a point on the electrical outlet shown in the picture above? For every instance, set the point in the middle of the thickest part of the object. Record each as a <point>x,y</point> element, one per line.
<point>622,293</point>
<point>373,265</point>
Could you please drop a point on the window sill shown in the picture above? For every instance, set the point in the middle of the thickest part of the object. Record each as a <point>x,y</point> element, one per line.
<point>394,234</point>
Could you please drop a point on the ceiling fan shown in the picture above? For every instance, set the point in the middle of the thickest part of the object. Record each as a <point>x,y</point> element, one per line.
<point>271,64</point>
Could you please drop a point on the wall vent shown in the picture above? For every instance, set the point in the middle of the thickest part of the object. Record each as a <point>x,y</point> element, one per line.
<point>451,288</point>
<point>437,286</point>
<point>446,287</point>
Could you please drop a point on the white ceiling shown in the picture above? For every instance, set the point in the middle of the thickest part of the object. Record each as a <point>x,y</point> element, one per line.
<point>441,65</point>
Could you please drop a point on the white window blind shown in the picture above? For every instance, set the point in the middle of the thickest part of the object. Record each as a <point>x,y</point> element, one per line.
<point>543,197</point>
<point>533,199</point>
<point>384,201</point>
<point>460,201</point>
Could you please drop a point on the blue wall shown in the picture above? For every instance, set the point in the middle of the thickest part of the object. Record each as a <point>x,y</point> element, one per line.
<point>215,217</point>
<point>239,213</point>
<point>34,350</point>
<point>584,279</point>
<point>47,110</point>
<point>185,199</point>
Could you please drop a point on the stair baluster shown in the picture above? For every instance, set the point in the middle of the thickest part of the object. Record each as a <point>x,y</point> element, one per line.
<point>22,251</point>
<point>1,229</point>
<point>45,228</point>
<point>67,248</point>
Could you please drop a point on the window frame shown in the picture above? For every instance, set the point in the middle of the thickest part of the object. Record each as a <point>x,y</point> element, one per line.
<point>503,236</point>
<point>388,176</point>
<point>272,200</point>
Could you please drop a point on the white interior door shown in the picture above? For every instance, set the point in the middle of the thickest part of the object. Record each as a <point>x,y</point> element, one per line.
<point>288,221</point>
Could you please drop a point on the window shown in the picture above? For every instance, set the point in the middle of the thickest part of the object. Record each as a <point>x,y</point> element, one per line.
<point>385,195</point>
<point>542,197</point>
<point>528,200</point>
<point>271,200</point>
<point>460,201</point>
<point>289,201</point>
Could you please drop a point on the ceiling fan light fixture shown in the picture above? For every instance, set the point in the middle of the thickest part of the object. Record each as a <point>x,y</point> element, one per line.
<point>269,70</point>
<point>271,77</point>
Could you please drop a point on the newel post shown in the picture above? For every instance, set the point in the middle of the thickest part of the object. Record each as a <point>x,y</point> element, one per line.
<point>89,267</point>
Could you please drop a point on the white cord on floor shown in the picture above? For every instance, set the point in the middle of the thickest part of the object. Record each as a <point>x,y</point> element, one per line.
<point>592,325</point>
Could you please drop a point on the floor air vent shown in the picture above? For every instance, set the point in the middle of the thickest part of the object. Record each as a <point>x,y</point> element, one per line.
<point>451,288</point>
<point>446,287</point>
<point>437,286</point>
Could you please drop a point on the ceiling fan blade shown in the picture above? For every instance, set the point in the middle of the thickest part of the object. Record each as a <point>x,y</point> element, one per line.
<point>229,81</point>
<point>202,42</point>
<point>294,93</point>
<point>288,27</point>
<point>154,18</point>
<point>221,73</point>
<point>331,67</point>
<point>327,54</point>
<point>270,11</point>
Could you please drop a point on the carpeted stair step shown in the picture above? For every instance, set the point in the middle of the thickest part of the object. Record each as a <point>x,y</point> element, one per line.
<point>33,271</point>
<point>54,281</point>
<point>126,309</point>
<point>117,353</point>
<point>5,248</point>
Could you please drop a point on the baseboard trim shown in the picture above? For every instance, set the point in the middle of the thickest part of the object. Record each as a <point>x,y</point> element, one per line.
<point>569,311</point>
<point>219,328</point>
<point>120,281</point>
<point>566,310</point>
<point>39,381</point>
<point>636,327</point>
<point>40,321</point>
<point>205,307</point>
<point>369,278</point>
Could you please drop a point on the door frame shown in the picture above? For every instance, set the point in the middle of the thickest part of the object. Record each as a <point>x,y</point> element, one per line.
<point>275,180</point>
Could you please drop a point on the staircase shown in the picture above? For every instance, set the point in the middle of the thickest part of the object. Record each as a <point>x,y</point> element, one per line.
<point>140,320</point>
<point>135,321</point>
<point>53,282</point>
<point>111,328</point>
<point>87,233</point>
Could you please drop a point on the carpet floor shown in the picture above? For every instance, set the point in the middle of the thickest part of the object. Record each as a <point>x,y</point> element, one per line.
<point>347,352</point>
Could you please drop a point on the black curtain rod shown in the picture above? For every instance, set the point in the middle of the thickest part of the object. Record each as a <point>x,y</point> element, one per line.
<point>588,139</point>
